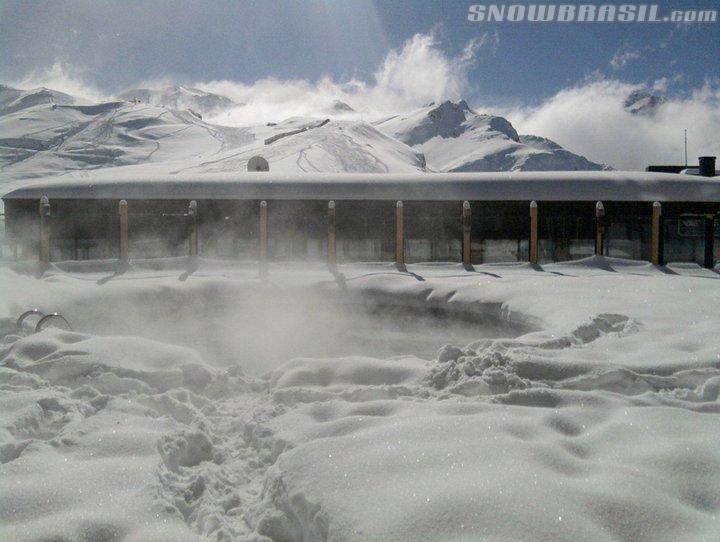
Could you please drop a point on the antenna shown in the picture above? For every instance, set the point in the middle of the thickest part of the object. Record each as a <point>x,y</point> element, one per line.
<point>686,147</point>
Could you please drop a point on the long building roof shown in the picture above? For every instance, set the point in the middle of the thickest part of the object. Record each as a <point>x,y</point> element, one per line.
<point>506,186</point>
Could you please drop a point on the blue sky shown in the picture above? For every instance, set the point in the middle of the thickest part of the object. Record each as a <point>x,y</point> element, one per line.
<point>564,81</point>
<point>115,45</point>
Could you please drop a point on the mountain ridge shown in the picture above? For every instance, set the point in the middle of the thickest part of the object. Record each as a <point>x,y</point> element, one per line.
<point>45,132</point>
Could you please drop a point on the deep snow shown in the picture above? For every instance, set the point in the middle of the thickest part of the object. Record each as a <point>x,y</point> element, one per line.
<point>583,405</point>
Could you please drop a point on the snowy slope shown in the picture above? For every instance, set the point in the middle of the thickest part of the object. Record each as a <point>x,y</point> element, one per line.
<point>180,97</point>
<point>318,145</point>
<point>453,137</point>
<point>45,133</point>
<point>12,99</point>
<point>46,139</point>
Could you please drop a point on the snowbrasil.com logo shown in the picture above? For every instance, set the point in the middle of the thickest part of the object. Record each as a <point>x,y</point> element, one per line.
<point>586,13</point>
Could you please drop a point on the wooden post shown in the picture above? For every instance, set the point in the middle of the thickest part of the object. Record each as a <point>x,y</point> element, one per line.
<point>599,228</point>
<point>399,234</point>
<point>192,213</point>
<point>331,245</point>
<point>467,239</point>
<point>123,210</point>
<point>263,233</point>
<point>709,260</point>
<point>44,230</point>
<point>656,248</point>
<point>533,232</point>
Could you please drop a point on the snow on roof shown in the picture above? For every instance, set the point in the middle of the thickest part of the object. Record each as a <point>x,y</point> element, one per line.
<point>507,186</point>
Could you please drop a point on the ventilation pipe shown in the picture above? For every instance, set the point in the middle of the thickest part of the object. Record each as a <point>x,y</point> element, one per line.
<point>707,166</point>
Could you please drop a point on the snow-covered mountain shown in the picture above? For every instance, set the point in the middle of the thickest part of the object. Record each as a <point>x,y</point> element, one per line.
<point>13,99</point>
<point>321,145</point>
<point>180,97</point>
<point>45,137</point>
<point>641,102</point>
<point>44,132</point>
<point>453,137</point>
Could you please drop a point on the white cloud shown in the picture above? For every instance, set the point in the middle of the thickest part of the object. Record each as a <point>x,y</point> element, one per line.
<point>622,57</point>
<point>63,78</point>
<point>590,119</point>
<point>660,85</point>
<point>587,118</point>
<point>416,74</point>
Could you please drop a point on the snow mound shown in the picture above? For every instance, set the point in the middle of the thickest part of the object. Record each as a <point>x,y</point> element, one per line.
<point>347,371</point>
<point>352,378</point>
<point>73,425</point>
<point>456,471</point>
<point>109,364</point>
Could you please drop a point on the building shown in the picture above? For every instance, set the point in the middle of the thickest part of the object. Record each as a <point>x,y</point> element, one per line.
<point>363,223</point>
<point>706,168</point>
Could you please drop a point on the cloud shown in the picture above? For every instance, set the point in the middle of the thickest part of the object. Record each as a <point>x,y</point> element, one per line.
<point>420,71</point>
<point>622,57</point>
<point>590,119</point>
<point>587,118</point>
<point>417,73</point>
<point>64,78</point>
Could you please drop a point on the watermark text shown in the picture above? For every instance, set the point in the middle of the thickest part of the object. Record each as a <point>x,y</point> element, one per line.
<point>586,13</point>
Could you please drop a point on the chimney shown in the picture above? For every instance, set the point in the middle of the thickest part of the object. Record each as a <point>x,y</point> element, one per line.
<point>707,166</point>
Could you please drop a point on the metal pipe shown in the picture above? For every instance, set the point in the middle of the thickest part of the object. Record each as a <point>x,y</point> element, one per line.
<point>706,166</point>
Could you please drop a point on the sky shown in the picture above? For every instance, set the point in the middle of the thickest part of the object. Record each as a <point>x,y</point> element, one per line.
<point>287,57</point>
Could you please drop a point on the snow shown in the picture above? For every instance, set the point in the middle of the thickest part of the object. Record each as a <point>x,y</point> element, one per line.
<point>46,139</point>
<point>180,97</point>
<point>513,402</point>
<point>568,401</point>
<point>131,183</point>
<point>453,137</point>
<point>162,132</point>
<point>46,134</point>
